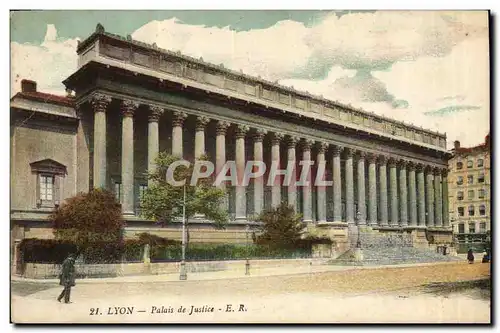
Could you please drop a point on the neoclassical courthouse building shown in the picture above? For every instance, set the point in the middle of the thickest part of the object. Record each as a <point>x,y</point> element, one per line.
<point>130,100</point>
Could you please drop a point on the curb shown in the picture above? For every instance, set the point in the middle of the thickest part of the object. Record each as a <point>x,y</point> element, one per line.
<point>175,278</point>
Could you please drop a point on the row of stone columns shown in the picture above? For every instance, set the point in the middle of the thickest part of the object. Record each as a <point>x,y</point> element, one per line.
<point>426,209</point>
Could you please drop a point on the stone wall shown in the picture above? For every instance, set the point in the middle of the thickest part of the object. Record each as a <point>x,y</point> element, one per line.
<point>51,271</point>
<point>37,141</point>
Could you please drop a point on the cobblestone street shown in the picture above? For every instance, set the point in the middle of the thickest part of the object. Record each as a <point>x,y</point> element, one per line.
<point>450,292</point>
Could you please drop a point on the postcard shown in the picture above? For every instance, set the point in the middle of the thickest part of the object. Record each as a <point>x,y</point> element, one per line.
<point>276,167</point>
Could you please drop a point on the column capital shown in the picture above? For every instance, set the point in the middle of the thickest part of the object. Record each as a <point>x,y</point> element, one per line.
<point>292,141</point>
<point>241,131</point>
<point>259,134</point>
<point>128,107</point>
<point>392,162</point>
<point>222,127</point>
<point>360,154</point>
<point>79,109</point>
<point>419,167</point>
<point>372,158</point>
<point>322,147</point>
<point>201,122</point>
<point>154,113</point>
<point>337,150</point>
<point>428,168</point>
<point>411,165</point>
<point>402,164</point>
<point>100,102</point>
<point>382,159</point>
<point>437,171</point>
<point>444,172</point>
<point>277,137</point>
<point>306,144</point>
<point>178,118</point>
<point>349,152</point>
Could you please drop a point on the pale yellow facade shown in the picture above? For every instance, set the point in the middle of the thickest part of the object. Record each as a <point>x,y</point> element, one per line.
<point>469,184</point>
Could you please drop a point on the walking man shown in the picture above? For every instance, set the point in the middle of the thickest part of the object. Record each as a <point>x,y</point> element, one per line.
<point>67,277</point>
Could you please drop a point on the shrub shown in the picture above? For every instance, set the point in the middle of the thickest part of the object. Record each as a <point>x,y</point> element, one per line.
<point>282,228</point>
<point>48,251</point>
<point>201,252</point>
<point>89,218</point>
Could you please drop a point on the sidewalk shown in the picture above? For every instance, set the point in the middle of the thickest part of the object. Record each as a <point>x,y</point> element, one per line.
<point>228,274</point>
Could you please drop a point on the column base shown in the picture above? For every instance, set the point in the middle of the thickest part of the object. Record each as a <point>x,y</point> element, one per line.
<point>338,223</point>
<point>128,213</point>
<point>357,254</point>
<point>240,218</point>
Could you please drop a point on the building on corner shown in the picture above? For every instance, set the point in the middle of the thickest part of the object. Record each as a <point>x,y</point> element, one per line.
<point>469,196</point>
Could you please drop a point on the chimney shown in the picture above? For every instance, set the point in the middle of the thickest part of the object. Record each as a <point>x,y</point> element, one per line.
<point>456,144</point>
<point>28,86</point>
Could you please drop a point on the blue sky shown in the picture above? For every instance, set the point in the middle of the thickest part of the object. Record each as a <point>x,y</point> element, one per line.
<point>426,68</point>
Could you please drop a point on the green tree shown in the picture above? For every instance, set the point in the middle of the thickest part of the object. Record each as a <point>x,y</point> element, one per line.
<point>89,218</point>
<point>282,228</point>
<point>163,201</point>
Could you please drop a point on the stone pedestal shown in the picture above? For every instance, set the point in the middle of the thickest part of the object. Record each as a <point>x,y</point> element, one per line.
<point>357,254</point>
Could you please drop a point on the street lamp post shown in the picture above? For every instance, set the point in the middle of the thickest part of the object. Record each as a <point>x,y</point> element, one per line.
<point>247,263</point>
<point>358,241</point>
<point>183,274</point>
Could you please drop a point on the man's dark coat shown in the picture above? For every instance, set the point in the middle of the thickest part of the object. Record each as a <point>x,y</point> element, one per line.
<point>67,276</point>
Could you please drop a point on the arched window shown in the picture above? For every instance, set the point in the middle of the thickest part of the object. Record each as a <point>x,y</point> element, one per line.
<point>470,164</point>
<point>480,163</point>
<point>460,165</point>
<point>482,210</point>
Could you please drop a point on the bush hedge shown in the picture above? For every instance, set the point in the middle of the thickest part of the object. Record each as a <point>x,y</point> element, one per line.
<point>202,252</point>
<point>45,250</point>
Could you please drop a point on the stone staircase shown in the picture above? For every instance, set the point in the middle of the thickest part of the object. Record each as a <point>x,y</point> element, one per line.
<point>379,248</point>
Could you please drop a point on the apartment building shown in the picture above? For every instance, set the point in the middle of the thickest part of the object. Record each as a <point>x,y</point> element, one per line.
<point>469,193</point>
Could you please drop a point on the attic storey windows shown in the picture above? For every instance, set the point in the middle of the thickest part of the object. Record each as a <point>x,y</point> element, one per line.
<point>49,181</point>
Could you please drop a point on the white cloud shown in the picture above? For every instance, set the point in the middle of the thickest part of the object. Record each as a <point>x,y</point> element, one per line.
<point>271,53</point>
<point>48,64</point>
<point>374,39</point>
<point>460,78</point>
